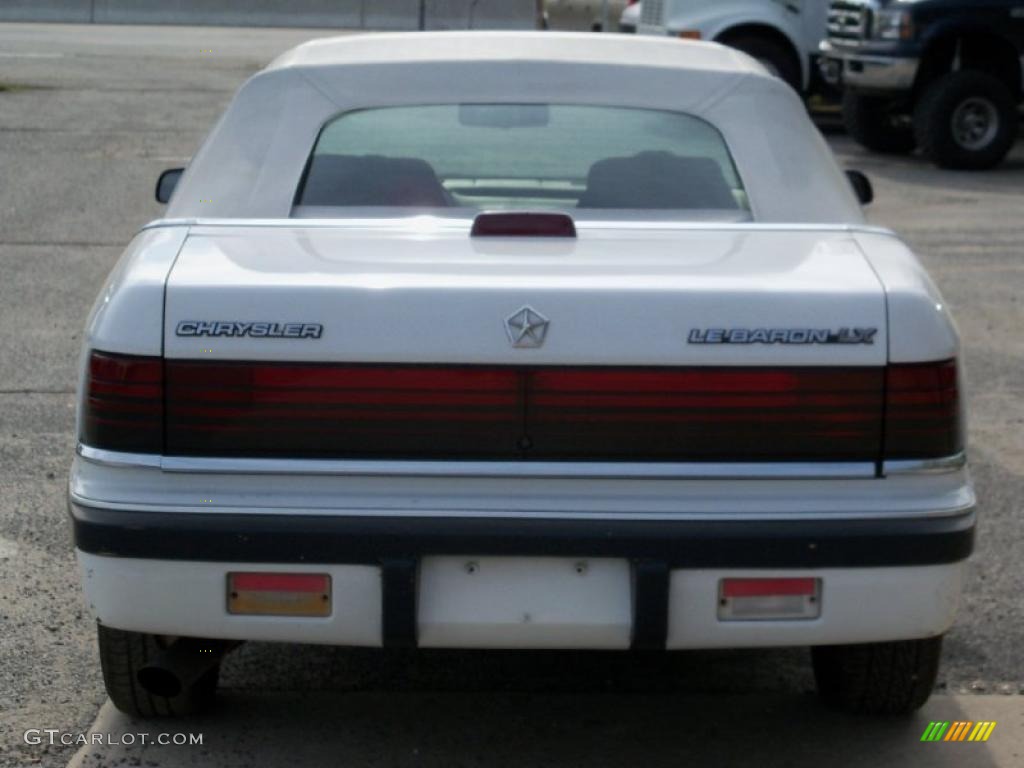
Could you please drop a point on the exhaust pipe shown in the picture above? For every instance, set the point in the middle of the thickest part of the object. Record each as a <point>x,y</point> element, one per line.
<point>179,666</point>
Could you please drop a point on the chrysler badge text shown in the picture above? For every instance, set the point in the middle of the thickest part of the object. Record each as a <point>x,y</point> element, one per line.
<point>255,330</point>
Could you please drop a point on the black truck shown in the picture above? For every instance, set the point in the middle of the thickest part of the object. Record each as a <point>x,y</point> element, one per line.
<point>941,75</point>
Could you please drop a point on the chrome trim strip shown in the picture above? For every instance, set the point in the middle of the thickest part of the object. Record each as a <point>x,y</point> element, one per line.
<point>442,224</point>
<point>117,458</point>
<point>597,470</point>
<point>939,466</point>
<point>610,470</point>
<point>493,469</point>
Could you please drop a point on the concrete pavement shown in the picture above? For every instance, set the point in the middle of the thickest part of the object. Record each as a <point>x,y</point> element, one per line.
<point>450,730</point>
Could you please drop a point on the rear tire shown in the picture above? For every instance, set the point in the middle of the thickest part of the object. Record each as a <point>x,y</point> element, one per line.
<point>892,678</point>
<point>875,124</point>
<point>775,57</point>
<point>123,653</point>
<point>966,120</point>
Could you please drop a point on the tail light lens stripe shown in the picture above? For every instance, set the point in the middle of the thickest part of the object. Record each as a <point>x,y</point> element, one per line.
<point>347,398</point>
<point>767,587</point>
<point>328,377</point>
<point>279,582</point>
<point>143,392</point>
<point>730,402</point>
<point>718,416</point>
<point>708,380</point>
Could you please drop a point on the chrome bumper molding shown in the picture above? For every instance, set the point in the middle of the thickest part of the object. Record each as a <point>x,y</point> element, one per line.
<point>940,466</point>
<point>505,469</point>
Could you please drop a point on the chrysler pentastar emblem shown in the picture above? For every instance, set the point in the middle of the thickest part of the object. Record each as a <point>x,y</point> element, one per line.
<point>526,327</point>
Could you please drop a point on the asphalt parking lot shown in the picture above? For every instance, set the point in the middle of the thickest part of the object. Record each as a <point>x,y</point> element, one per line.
<point>88,118</point>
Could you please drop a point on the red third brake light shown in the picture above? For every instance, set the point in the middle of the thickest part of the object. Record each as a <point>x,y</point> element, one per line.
<point>523,225</point>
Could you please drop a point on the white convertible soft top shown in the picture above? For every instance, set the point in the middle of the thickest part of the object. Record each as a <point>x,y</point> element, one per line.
<point>252,163</point>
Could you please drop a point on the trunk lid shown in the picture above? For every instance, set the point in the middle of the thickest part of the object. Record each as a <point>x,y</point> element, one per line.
<point>611,297</point>
<point>385,343</point>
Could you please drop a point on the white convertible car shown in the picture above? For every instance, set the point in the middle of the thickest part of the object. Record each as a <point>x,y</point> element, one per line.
<point>463,340</point>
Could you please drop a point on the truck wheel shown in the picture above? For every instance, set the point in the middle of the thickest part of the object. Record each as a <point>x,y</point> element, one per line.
<point>877,678</point>
<point>121,655</point>
<point>966,120</point>
<point>873,123</point>
<point>774,56</point>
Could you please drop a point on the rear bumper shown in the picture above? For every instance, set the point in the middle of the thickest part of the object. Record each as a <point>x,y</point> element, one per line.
<point>165,572</point>
<point>293,538</point>
<point>859,605</point>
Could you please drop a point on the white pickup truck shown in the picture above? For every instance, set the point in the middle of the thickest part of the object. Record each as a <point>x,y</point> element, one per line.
<point>782,34</point>
<point>461,340</point>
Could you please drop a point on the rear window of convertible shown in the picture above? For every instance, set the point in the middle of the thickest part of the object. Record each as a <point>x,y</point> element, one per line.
<point>521,156</point>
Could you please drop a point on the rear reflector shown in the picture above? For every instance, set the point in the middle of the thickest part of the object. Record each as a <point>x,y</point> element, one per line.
<point>279,594</point>
<point>523,225</point>
<point>922,414</point>
<point>123,403</point>
<point>766,599</point>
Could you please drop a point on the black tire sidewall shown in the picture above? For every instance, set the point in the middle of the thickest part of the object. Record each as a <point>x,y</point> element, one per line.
<point>933,120</point>
<point>887,678</point>
<point>869,121</point>
<point>122,653</point>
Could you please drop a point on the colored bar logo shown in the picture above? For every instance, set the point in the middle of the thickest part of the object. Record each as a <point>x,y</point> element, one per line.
<point>958,730</point>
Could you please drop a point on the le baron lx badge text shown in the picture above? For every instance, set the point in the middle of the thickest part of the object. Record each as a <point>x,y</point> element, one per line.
<point>782,336</point>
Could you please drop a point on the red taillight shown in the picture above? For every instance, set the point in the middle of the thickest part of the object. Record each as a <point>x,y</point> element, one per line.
<point>922,411</point>
<point>266,409</point>
<point>123,406</point>
<point>708,414</point>
<point>611,414</point>
<point>490,412</point>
